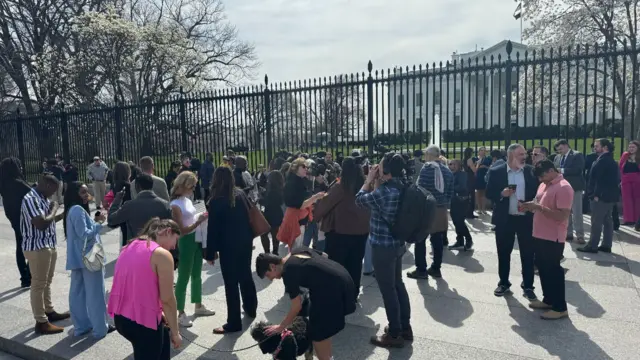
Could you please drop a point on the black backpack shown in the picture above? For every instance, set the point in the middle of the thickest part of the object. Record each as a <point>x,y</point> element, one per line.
<point>415,215</point>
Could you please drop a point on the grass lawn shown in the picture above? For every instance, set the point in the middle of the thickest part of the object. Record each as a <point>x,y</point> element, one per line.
<point>259,157</point>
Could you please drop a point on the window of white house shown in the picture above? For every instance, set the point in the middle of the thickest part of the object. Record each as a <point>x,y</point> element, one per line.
<point>400,101</point>
<point>436,98</point>
<point>419,125</point>
<point>418,99</point>
<point>457,96</point>
<point>457,122</point>
<point>401,125</point>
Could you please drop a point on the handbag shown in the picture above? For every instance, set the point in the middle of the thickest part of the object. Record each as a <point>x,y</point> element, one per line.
<point>94,260</point>
<point>257,221</point>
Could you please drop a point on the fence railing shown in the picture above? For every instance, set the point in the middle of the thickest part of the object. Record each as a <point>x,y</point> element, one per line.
<point>508,93</point>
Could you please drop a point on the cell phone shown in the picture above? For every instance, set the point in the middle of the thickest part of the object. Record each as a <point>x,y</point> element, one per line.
<point>512,186</point>
<point>97,214</point>
<point>333,182</point>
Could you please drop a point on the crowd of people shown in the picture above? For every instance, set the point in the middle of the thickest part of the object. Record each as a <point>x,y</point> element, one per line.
<point>333,216</point>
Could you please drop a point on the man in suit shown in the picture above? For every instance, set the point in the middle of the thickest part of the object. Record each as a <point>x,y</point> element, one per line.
<point>159,185</point>
<point>508,186</point>
<point>603,191</point>
<point>570,163</point>
<point>137,212</point>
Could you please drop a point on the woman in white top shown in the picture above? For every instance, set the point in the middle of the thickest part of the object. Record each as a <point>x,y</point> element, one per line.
<point>190,252</point>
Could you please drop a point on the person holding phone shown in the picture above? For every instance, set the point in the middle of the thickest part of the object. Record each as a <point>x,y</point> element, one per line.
<point>508,185</point>
<point>298,201</point>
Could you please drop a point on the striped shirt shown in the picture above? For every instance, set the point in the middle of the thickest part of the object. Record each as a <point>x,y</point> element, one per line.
<point>35,204</point>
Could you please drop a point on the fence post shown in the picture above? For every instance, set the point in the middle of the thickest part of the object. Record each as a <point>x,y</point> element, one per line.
<point>118,123</point>
<point>267,117</point>
<point>507,106</point>
<point>183,121</point>
<point>370,109</point>
<point>20,135</point>
<point>64,129</point>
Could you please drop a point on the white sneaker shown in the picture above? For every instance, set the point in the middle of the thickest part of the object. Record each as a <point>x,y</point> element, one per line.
<point>184,320</point>
<point>203,311</point>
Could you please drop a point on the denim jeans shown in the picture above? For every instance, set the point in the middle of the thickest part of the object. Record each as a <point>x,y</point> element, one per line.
<point>87,305</point>
<point>310,233</point>
<point>387,263</point>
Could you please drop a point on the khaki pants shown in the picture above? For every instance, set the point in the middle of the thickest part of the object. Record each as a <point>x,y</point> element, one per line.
<point>42,264</point>
<point>99,191</point>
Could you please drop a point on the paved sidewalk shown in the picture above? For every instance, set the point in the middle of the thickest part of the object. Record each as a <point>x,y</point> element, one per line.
<point>457,317</point>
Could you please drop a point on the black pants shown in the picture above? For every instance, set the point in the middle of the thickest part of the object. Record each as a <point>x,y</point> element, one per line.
<point>458,215</point>
<point>23,267</point>
<point>471,205</point>
<point>616,218</point>
<point>547,258</point>
<point>147,344</point>
<point>505,238</point>
<point>236,273</point>
<point>348,251</point>
<point>264,238</point>
<point>437,243</point>
<point>207,194</point>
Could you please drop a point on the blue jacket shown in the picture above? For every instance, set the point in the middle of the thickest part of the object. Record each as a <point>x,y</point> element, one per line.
<point>80,226</point>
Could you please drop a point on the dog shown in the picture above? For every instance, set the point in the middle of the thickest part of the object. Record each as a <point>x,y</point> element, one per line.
<point>292,342</point>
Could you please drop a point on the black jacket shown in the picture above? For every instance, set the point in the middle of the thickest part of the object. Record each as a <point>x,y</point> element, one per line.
<point>604,179</point>
<point>498,180</point>
<point>228,228</point>
<point>13,191</point>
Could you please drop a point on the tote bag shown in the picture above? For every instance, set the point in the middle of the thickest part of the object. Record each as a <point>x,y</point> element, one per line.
<point>257,221</point>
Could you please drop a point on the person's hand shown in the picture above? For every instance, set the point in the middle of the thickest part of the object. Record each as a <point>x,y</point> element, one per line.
<point>273,330</point>
<point>101,217</point>
<point>203,217</point>
<point>373,173</point>
<point>319,195</point>
<point>119,195</point>
<point>54,205</point>
<point>507,192</point>
<point>596,198</point>
<point>176,339</point>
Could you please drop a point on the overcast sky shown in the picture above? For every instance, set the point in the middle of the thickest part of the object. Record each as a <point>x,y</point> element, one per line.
<point>301,39</point>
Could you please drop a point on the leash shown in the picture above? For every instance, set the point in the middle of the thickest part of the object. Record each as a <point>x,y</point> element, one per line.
<point>226,351</point>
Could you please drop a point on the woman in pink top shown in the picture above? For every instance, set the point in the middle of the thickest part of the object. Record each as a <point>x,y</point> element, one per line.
<point>142,301</point>
<point>630,183</point>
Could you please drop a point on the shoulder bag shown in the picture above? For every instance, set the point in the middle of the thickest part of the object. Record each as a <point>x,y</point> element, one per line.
<point>258,223</point>
<point>94,260</point>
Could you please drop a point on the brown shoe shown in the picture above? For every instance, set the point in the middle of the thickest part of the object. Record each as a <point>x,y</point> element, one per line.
<point>554,315</point>
<point>537,304</point>
<point>47,329</point>
<point>580,240</point>
<point>55,316</point>
<point>406,334</point>
<point>387,341</point>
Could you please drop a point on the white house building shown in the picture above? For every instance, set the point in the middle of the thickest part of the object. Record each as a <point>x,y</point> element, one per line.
<point>466,98</point>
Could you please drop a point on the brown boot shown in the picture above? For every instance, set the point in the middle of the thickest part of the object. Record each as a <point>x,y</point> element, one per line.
<point>47,329</point>
<point>387,341</point>
<point>54,316</point>
<point>406,334</point>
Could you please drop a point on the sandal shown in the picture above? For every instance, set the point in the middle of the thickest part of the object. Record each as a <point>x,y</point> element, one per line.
<point>225,329</point>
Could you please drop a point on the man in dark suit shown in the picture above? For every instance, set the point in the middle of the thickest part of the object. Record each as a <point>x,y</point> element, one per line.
<point>508,185</point>
<point>137,212</point>
<point>571,163</point>
<point>604,192</point>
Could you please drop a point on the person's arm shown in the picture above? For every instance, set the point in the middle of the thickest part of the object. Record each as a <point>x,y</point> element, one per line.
<point>325,205</point>
<point>39,217</point>
<point>294,310</point>
<point>76,220</point>
<point>471,165</point>
<point>163,263</point>
<point>493,191</point>
<point>118,212</point>
<point>176,215</point>
<point>577,166</point>
<point>215,230</point>
<point>89,174</point>
<point>368,199</point>
<point>564,201</point>
<point>623,160</point>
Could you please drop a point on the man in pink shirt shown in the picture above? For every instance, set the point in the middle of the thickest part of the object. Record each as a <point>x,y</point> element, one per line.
<point>551,208</point>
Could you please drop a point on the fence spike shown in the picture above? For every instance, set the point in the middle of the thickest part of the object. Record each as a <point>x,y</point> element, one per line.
<point>266,80</point>
<point>369,66</point>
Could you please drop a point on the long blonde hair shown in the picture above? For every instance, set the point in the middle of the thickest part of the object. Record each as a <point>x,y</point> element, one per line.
<point>185,180</point>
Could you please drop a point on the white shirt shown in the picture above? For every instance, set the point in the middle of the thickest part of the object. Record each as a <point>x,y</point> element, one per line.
<point>188,210</point>
<point>516,177</point>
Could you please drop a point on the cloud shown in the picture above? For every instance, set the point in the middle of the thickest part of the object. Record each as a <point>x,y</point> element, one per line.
<point>302,39</point>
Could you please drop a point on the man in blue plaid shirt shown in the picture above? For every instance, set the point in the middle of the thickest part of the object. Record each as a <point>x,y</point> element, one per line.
<point>380,194</point>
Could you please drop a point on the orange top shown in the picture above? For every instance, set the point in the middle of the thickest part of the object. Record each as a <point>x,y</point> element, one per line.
<point>290,227</point>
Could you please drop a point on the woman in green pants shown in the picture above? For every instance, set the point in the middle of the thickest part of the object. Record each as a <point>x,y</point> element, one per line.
<point>190,252</point>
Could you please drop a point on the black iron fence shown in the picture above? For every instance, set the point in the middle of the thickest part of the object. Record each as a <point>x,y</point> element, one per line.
<point>507,93</point>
